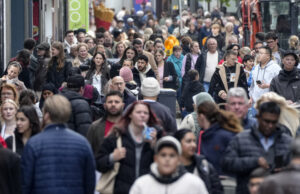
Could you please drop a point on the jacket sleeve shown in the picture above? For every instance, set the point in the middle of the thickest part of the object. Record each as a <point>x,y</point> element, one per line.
<point>243,80</point>
<point>82,117</point>
<point>233,163</point>
<point>216,186</point>
<point>27,166</point>
<point>89,171</point>
<point>273,85</point>
<point>102,157</point>
<point>91,137</point>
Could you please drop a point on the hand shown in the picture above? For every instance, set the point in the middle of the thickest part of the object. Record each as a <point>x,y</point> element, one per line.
<point>263,85</point>
<point>250,102</point>
<point>262,162</point>
<point>182,109</point>
<point>153,135</point>
<point>223,96</point>
<point>289,102</point>
<point>166,79</point>
<point>119,154</point>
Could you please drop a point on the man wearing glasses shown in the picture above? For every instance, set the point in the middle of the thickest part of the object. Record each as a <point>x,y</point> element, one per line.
<point>272,42</point>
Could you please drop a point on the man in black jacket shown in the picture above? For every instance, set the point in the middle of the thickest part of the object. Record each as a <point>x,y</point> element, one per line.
<point>81,117</point>
<point>287,82</point>
<point>142,70</point>
<point>118,84</point>
<point>263,146</point>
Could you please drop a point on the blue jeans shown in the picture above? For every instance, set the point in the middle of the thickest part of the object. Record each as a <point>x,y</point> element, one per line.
<point>206,86</point>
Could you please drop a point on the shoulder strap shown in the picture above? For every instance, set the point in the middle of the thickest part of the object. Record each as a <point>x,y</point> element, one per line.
<point>119,142</point>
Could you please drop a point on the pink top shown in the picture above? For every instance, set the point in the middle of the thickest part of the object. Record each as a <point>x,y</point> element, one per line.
<point>161,75</point>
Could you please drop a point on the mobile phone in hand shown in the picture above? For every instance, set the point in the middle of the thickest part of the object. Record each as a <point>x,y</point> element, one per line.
<point>258,82</point>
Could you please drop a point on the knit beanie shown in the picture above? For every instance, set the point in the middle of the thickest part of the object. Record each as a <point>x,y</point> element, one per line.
<point>150,87</point>
<point>126,74</point>
<point>202,97</point>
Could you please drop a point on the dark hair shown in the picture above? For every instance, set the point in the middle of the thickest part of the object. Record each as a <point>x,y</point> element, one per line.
<point>29,43</point>
<point>259,173</point>
<point>269,107</point>
<point>93,65</point>
<point>122,126</point>
<point>213,114</point>
<point>258,42</point>
<point>30,113</point>
<point>230,47</point>
<point>27,97</point>
<point>260,36</point>
<point>229,52</point>
<point>192,73</point>
<point>99,35</point>
<point>268,49</point>
<point>157,41</point>
<point>177,48</point>
<point>137,41</point>
<point>50,87</point>
<point>125,57</point>
<point>143,57</point>
<point>179,135</point>
<point>23,57</point>
<point>114,93</point>
<point>247,58</point>
<point>271,35</point>
<point>68,32</point>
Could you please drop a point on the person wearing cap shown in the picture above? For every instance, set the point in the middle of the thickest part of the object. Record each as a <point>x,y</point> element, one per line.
<point>191,121</point>
<point>166,174</point>
<point>142,70</point>
<point>130,25</point>
<point>287,82</point>
<point>130,84</point>
<point>150,90</point>
<point>81,116</point>
<point>287,181</point>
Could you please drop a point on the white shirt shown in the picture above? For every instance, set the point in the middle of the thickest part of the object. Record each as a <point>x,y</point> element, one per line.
<point>211,64</point>
<point>97,82</point>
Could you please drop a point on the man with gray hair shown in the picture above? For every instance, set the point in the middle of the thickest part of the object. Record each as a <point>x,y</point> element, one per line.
<point>237,102</point>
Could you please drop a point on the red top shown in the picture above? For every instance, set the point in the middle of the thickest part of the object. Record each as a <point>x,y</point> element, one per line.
<point>108,126</point>
<point>2,142</point>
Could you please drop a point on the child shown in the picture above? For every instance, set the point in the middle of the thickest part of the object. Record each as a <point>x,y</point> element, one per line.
<point>248,62</point>
<point>13,70</point>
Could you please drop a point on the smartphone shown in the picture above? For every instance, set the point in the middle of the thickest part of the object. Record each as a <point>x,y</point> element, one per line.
<point>258,82</point>
<point>147,132</point>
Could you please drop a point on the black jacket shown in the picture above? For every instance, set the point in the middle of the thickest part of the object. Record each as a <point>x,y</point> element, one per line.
<point>202,65</point>
<point>136,75</point>
<point>287,85</point>
<point>58,77</point>
<point>188,65</point>
<point>81,117</point>
<point>169,70</point>
<point>191,89</point>
<point>242,153</point>
<point>126,175</point>
<point>128,98</point>
<point>10,173</point>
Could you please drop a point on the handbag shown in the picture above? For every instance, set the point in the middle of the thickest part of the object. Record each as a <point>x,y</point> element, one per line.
<point>106,183</point>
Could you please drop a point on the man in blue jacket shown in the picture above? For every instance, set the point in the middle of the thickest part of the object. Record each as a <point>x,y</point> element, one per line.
<point>58,160</point>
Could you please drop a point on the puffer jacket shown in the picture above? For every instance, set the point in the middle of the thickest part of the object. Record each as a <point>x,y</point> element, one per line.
<point>81,117</point>
<point>191,89</point>
<point>287,85</point>
<point>178,183</point>
<point>58,160</point>
<point>242,153</point>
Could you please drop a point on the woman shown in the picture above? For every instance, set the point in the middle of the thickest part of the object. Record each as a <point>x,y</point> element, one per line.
<point>8,118</point>
<point>47,91</point>
<point>167,74</point>
<point>98,74</point>
<point>218,128</point>
<point>136,155</point>
<point>229,27</point>
<point>129,53</point>
<point>58,67</point>
<point>9,91</point>
<point>28,125</point>
<point>119,50</point>
<point>83,57</point>
<point>217,34</point>
<point>197,164</point>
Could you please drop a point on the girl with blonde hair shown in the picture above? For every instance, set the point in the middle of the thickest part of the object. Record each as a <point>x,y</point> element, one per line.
<point>289,116</point>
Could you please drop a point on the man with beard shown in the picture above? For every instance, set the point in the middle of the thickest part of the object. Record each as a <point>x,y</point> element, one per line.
<point>142,70</point>
<point>100,128</point>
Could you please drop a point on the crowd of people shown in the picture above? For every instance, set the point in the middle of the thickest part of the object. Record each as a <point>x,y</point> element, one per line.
<point>84,115</point>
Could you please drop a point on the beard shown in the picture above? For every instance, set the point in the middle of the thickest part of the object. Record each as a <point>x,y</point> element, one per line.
<point>114,114</point>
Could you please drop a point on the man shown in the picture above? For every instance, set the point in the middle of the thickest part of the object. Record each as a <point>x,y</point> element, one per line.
<point>139,45</point>
<point>69,40</point>
<point>262,74</point>
<point>80,36</point>
<point>57,160</point>
<point>150,90</point>
<point>113,106</point>
<point>229,75</point>
<point>209,62</point>
<point>166,173</point>
<point>287,83</point>
<point>287,181</point>
<point>265,145</point>
<point>81,117</point>
<point>205,31</point>
<point>256,178</point>
<point>237,102</point>
<point>142,70</point>
<point>272,42</point>
<point>118,84</point>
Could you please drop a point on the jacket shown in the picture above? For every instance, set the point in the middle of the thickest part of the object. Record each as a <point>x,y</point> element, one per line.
<point>126,175</point>
<point>57,77</point>
<point>285,182</point>
<point>81,117</point>
<point>58,160</point>
<point>169,70</point>
<point>202,66</point>
<point>152,63</point>
<point>104,79</point>
<point>190,122</point>
<point>128,98</point>
<point>242,153</point>
<point>208,174</point>
<point>214,142</point>
<point>10,172</point>
<point>95,134</point>
<point>136,74</point>
<point>180,182</point>
<point>193,88</point>
<point>219,81</point>
<point>177,65</point>
<point>265,74</point>
<point>287,84</point>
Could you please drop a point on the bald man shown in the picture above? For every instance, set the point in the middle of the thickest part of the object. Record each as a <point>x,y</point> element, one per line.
<point>118,84</point>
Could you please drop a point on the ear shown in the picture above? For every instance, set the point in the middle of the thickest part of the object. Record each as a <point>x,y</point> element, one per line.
<point>155,158</point>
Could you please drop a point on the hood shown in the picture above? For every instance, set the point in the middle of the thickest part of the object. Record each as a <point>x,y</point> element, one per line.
<point>166,180</point>
<point>195,86</point>
<point>293,75</point>
<point>147,68</point>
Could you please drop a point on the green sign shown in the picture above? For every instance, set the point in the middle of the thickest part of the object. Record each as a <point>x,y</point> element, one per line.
<point>78,14</point>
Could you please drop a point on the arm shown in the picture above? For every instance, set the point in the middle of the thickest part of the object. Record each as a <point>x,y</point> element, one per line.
<point>28,169</point>
<point>183,65</point>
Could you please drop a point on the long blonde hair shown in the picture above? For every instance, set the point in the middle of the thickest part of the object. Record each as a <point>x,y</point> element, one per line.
<point>289,116</point>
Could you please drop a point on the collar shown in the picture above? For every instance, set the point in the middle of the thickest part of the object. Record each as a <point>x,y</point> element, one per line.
<point>56,126</point>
